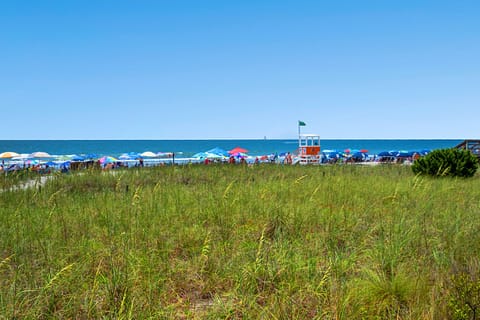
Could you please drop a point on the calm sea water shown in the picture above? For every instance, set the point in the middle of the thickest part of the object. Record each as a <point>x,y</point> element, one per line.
<point>186,148</point>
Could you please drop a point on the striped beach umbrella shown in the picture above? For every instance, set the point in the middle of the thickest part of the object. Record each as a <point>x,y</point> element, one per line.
<point>107,159</point>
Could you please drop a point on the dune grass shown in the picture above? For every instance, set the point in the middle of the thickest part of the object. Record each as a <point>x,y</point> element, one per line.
<point>229,242</point>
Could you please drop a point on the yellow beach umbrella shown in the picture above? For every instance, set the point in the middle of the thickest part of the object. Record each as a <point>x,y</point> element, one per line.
<point>8,154</point>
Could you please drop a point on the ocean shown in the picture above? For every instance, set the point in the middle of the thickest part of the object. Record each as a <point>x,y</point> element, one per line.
<point>187,148</point>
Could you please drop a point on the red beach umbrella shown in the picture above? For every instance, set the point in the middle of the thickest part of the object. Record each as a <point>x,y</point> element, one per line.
<point>364,151</point>
<point>237,150</point>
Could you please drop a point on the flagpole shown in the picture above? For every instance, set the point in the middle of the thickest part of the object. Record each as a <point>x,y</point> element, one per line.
<point>298,133</point>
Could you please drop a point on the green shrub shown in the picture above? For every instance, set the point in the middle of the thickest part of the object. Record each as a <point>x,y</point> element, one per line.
<point>447,162</point>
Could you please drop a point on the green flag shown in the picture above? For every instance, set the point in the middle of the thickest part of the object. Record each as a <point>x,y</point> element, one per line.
<point>301,123</point>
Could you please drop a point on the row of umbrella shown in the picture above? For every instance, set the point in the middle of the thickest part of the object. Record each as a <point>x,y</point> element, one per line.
<point>219,153</point>
<point>363,153</point>
<point>12,155</point>
<point>44,155</point>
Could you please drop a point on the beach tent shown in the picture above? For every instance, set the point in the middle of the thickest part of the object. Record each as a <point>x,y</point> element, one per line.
<point>218,151</point>
<point>215,156</point>
<point>207,155</point>
<point>200,155</point>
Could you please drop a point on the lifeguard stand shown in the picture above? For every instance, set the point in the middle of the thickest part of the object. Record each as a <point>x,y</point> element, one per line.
<point>308,148</point>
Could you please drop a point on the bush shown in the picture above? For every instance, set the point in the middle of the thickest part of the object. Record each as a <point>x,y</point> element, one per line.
<point>447,162</point>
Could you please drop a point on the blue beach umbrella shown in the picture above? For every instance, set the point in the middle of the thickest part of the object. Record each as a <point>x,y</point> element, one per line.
<point>425,152</point>
<point>404,153</point>
<point>218,151</point>
<point>384,154</point>
<point>215,156</point>
<point>360,156</point>
<point>331,154</point>
<point>78,158</point>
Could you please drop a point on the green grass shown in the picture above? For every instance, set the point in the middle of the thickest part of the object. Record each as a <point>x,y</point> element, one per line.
<point>229,242</point>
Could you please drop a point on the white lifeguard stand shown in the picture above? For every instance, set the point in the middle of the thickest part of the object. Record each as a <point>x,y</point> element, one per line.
<point>308,149</point>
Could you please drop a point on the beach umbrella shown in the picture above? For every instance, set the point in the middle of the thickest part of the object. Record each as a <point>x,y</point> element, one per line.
<point>363,150</point>
<point>107,159</point>
<point>39,154</point>
<point>237,150</point>
<point>8,155</point>
<point>148,154</point>
<point>125,156</point>
<point>331,154</point>
<point>425,152</point>
<point>359,156</point>
<point>384,154</point>
<point>404,153</point>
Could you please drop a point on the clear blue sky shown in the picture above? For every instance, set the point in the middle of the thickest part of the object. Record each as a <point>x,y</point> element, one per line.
<point>239,69</point>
